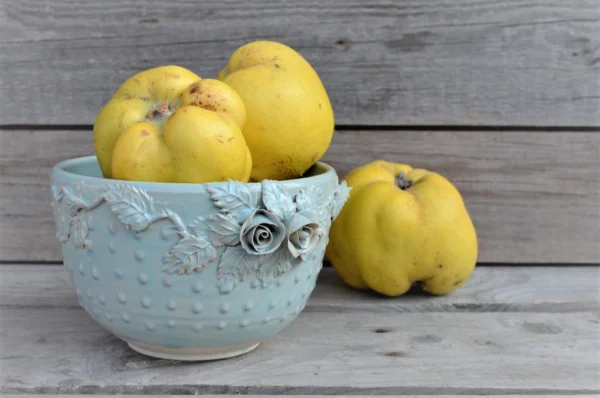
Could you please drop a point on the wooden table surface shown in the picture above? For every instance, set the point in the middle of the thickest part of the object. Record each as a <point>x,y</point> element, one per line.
<point>509,330</point>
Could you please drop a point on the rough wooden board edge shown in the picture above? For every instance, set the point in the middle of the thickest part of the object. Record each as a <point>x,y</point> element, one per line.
<point>415,392</point>
<point>289,396</point>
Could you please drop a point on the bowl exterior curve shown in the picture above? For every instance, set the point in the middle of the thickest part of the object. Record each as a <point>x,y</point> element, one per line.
<point>192,265</point>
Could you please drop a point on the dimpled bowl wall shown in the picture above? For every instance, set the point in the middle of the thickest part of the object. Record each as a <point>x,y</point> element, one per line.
<point>141,276</point>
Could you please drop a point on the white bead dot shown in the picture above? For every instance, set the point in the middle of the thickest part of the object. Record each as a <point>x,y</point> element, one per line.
<point>222,325</point>
<point>248,307</point>
<point>101,298</point>
<point>168,282</point>
<point>112,228</point>
<point>297,279</point>
<point>122,298</point>
<point>143,279</point>
<point>224,308</point>
<point>111,247</point>
<point>197,308</point>
<point>88,293</point>
<point>171,323</point>
<point>81,269</point>
<point>119,273</point>
<point>273,304</point>
<point>146,302</point>
<point>140,255</point>
<point>95,274</point>
<point>108,317</point>
<point>255,284</point>
<point>244,323</point>
<point>197,287</point>
<point>197,327</point>
<point>150,326</point>
<point>126,318</point>
<point>138,235</point>
<point>171,305</point>
<point>267,319</point>
<point>165,232</point>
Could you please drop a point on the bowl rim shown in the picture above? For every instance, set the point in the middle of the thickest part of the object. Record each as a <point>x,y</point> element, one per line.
<point>59,172</point>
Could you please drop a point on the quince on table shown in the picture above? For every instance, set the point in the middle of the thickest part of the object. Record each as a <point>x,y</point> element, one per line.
<point>400,226</point>
<point>290,122</point>
<point>167,125</point>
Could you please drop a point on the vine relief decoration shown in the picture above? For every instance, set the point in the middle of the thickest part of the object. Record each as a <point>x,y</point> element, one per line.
<point>261,232</point>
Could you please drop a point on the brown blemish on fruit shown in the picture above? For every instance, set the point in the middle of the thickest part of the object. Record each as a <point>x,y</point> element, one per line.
<point>458,282</point>
<point>276,66</point>
<point>145,133</point>
<point>209,107</point>
<point>320,105</point>
<point>219,138</point>
<point>440,266</point>
<point>193,89</point>
<point>231,139</point>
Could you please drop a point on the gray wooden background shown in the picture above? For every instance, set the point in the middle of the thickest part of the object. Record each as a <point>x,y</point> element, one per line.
<point>501,96</point>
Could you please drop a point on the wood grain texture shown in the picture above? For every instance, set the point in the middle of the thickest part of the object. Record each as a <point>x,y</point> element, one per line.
<point>490,289</point>
<point>428,62</point>
<point>298,396</point>
<point>534,196</point>
<point>60,349</point>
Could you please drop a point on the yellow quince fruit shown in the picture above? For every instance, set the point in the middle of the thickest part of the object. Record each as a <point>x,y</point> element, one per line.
<point>400,226</point>
<point>167,125</point>
<point>289,123</point>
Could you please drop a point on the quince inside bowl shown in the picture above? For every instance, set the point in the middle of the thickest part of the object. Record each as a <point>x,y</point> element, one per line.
<point>193,271</point>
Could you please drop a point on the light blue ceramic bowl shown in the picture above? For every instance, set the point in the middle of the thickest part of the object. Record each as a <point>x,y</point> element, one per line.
<point>193,271</point>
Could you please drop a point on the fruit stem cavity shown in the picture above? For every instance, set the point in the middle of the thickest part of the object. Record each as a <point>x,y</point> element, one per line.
<point>402,182</point>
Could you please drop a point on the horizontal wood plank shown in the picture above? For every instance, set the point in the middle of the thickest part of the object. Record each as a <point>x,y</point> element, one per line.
<point>432,62</point>
<point>298,396</point>
<point>489,289</point>
<point>357,351</point>
<point>534,196</point>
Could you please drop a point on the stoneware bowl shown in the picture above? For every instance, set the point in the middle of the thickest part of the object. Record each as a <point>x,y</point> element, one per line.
<point>193,271</point>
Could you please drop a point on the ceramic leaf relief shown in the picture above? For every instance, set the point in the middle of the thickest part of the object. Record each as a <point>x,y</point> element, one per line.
<point>258,233</point>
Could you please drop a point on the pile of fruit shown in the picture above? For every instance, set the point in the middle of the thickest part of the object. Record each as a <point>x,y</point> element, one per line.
<point>268,116</point>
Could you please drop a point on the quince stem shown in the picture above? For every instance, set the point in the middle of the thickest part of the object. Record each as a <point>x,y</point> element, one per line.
<point>402,182</point>
<point>160,111</point>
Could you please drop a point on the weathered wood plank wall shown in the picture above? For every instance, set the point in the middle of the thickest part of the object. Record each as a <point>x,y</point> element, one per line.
<point>388,66</point>
<point>534,197</point>
<point>384,62</point>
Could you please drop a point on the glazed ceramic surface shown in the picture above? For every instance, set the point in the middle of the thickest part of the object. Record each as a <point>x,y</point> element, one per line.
<point>193,271</point>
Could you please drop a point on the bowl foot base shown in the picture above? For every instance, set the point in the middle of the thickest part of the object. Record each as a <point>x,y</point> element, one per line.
<point>192,354</point>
